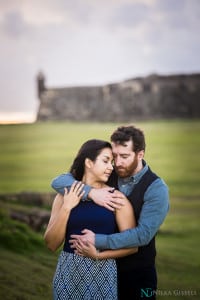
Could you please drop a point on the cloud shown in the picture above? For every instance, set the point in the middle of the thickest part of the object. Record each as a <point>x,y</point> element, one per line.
<point>131,14</point>
<point>13,24</point>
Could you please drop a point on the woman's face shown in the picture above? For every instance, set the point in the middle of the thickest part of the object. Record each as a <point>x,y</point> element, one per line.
<point>103,165</point>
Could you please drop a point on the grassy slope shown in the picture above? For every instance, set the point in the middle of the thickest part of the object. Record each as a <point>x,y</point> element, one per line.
<point>26,277</point>
<point>27,267</point>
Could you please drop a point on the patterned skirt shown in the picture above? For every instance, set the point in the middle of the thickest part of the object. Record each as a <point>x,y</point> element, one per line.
<point>79,277</point>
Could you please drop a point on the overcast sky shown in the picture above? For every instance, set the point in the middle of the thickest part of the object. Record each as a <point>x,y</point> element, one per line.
<point>87,42</point>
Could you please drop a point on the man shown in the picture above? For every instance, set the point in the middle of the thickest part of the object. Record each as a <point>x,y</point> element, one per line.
<point>150,199</point>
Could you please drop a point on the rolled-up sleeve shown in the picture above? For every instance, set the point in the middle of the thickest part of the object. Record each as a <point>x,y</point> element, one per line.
<point>66,180</point>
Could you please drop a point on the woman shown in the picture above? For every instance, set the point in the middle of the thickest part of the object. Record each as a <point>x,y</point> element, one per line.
<point>79,277</point>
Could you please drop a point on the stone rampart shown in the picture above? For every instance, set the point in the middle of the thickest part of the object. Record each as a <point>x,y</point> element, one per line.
<point>174,96</point>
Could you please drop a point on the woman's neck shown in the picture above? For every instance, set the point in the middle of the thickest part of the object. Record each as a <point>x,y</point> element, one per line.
<point>92,182</point>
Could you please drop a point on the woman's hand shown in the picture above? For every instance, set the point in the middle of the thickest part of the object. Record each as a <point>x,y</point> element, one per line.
<point>73,197</point>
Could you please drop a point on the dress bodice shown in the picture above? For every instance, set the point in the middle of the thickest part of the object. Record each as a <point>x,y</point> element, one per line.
<point>88,215</point>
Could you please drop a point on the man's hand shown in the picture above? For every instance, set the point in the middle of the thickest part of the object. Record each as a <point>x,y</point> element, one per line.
<point>88,237</point>
<point>107,197</point>
<point>86,249</point>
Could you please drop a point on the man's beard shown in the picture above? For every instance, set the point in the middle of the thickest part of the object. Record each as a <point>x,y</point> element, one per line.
<point>128,170</point>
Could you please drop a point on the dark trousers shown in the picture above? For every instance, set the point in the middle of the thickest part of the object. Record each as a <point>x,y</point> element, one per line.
<point>137,284</point>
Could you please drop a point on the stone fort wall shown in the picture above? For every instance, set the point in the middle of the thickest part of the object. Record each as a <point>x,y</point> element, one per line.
<point>173,96</point>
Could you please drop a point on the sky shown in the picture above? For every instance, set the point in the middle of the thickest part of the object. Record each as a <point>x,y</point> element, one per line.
<point>91,42</point>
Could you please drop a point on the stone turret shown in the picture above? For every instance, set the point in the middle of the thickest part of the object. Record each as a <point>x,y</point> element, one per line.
<point>40,84</point>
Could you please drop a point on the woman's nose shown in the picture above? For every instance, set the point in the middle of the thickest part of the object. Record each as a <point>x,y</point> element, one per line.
<point>111,166</point>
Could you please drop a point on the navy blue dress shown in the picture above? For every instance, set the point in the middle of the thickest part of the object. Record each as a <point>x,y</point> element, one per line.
<point>79,277</point>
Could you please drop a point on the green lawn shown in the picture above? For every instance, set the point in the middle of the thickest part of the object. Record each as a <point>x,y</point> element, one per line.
<point>32,154</point>
<point>178,245</point>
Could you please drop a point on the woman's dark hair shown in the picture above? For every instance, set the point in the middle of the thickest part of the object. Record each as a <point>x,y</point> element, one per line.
<point>129,133</point>
<point>90,149</point>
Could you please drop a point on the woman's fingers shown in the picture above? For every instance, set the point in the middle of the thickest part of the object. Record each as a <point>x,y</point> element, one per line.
<point>73,197</point>
<point>66,191</point>
<point>77,188</point>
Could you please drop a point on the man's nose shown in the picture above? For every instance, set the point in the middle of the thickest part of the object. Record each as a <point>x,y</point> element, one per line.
<point>117,161</point>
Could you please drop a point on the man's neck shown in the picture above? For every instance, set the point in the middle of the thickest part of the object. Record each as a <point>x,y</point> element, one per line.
<point>139,168</point>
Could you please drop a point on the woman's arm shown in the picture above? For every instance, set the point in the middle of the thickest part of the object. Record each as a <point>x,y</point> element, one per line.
<point>125,219</point>
<point>89,250</point>
<point>61,208</point>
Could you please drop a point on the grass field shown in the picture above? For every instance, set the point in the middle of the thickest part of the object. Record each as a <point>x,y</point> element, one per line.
<point>32,154</point>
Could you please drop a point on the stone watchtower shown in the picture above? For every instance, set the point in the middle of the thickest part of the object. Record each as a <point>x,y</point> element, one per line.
<point>40,84</point>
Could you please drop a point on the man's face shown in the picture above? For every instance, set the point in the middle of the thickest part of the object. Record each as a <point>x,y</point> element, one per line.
<point>127,162</point>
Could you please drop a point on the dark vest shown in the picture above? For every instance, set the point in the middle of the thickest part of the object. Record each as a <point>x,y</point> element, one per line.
<point>145,257</point>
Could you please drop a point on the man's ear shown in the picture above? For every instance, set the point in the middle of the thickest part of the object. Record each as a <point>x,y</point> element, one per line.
<point>88,163</point>
<point>141,154</point>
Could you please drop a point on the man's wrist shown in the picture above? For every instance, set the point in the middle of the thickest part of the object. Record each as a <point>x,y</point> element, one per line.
<point>87,190</point>
<point>91,193</point>
<point>101,241</point>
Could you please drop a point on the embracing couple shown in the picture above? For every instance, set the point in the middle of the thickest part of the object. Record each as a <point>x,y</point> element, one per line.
<point>106,214</point>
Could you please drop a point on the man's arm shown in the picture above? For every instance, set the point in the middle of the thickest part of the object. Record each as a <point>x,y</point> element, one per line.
<point>104,197</point>
<point>154,211</point>
<point>66,180</point>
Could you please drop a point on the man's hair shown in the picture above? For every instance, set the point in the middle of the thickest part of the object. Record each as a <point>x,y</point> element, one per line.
<point>129,133</point>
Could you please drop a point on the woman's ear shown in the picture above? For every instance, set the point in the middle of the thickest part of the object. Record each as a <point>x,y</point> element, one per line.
<point>88,163</point>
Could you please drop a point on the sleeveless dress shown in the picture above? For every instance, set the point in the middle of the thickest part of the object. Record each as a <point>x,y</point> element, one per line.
<point>77,277</point>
